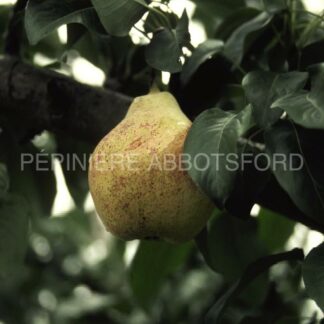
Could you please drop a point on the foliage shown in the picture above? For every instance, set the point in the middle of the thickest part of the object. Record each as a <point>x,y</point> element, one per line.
<point>255,86</point>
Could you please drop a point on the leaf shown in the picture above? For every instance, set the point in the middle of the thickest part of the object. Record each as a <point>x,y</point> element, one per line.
<point>234,47</point>
<point>213,136</point>
<point>250,181</point>
<point>13,235</point>
<point>263,88</point>
<point>43,17</point>
<point>296,174</point>
<point>219,9</point>
<point>234,21</point>
<point>157,19</point>
<point>306,108</point>
<point>153,262</point>
<point>165,50</point>
<point>313,270</point>
<point>31,175</point>
<point>230,244</point>
<point>274,229</point>
<point>4,180</point>
<point>251,272</point>
<point>163,53</point>
<point>201,54</point>
<point>119,16</point>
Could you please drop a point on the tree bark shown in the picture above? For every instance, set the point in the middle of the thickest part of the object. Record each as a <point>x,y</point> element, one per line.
<point>34,99</point>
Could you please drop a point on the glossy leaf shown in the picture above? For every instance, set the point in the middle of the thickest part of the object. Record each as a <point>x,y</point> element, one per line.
<point>295,173</point>
<point>313,270</point>
<point>306,108</point>
<point>234,47</point>
<point>263,88</point>
<point>119,16</point>
<point>43,17</point>
<point>165,50</point>
<point>213,136</point>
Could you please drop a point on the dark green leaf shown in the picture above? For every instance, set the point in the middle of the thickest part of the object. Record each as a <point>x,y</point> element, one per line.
<point>234,21</point>
<point>295,173</point>
<point>119,16</point>
<point>263,88</point>
<point>165,50</point>
<point>157,19</point>
<point>31,175</point>
<point>213,136</point>
<point>251,272</point>
<point>202,53</point>
<point>274,229</point>
<point>218,8</point>
<point>234,47</point>
<point>13,235</point>
<point>306,108</point>
<point>153,262</point>
<point>182,30</point>
<point>230,244</point>
<point>4,180</point>
<point>163,53</point>
<point>43,17</point>
<point>313,270</point>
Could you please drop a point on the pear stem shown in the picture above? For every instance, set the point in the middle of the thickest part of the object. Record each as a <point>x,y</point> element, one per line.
<point>154,88</point>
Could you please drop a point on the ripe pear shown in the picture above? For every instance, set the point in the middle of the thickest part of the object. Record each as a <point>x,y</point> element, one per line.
<point>137,194</point>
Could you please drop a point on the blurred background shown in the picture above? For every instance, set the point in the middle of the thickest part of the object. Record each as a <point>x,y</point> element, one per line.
<point>77,273</point>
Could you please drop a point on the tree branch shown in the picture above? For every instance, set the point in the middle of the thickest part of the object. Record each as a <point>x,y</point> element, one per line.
<point>34,99</point>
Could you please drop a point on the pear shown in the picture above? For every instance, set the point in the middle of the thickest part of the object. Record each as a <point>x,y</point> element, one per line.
<point>137,190</point>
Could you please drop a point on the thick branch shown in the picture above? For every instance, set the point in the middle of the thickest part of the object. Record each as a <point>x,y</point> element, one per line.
<point>33,100</point>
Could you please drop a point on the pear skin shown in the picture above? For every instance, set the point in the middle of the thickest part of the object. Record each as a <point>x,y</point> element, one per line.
<point>137,194</point>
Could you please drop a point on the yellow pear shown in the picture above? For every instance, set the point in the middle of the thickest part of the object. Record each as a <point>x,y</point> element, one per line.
<point>137,180</point>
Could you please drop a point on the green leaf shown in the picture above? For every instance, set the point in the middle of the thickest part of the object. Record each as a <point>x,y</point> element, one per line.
<point>306,108</point>
<point>263,88</point>
<point>13,235</point>
<point>163,53</point>
<point>313,270</point>
<point>297,177</point>
<point>157,19</point>
<point>213,136</point>
<point>201,54</point>
<point>252,271</point>
<point>234,47</point>
<point>230,244</point>
<point>4,180</point>
<point>219,8</point>
<point>43,17</point>
<point>119,16</point>
<point>37,186</point>
<point>153,262</point>
<point>165,50</point>
<point>274,229</point>
<point>234,21</point>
